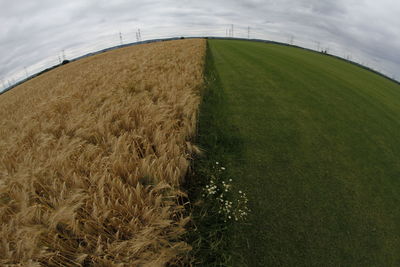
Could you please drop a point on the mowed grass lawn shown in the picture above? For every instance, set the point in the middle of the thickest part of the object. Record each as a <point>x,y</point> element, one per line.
<point>314,141</point>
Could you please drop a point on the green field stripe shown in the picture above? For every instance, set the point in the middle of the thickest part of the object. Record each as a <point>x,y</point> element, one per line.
<point>319,156</point>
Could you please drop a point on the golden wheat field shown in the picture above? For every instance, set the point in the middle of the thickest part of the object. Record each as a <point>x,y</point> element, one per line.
<point>92,155</point>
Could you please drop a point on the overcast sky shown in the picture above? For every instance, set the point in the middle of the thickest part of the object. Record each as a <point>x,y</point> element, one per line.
<point>34,33</point>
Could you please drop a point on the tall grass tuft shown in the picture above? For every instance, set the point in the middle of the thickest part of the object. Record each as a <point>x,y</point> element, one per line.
<point>92,155</point>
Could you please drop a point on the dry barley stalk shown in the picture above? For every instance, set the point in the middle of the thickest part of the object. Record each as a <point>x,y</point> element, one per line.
<point>92,155</point>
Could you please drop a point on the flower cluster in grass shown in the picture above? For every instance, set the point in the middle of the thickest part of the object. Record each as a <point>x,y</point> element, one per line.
<point>220,193</point>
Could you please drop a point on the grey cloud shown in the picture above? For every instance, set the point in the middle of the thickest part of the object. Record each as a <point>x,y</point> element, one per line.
<point>35,30</point>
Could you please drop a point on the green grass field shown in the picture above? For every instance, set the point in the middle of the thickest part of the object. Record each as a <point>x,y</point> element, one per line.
<point>314,141</point>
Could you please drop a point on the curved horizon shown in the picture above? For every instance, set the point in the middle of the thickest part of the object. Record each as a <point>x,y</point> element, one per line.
<point>62,59</point>
<point>36,35</point>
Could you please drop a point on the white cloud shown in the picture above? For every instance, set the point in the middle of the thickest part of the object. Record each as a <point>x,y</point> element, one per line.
<point>34,31</point>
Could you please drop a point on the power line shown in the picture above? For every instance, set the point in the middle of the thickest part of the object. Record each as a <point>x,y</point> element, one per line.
<point>229,32</point>
<point>291,39</point>
<point>138,37</point>
<point>318,45</point>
